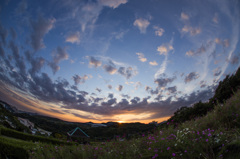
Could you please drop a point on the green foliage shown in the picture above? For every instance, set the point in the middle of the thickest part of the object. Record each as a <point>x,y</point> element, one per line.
<point>14,149</point>
<point>28,137</point>
<point>226,88</point>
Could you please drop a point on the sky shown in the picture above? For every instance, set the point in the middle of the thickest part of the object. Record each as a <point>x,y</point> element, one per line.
<point>115,60</point>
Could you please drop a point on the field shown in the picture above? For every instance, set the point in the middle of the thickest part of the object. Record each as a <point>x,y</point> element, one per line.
<point>215,135</point>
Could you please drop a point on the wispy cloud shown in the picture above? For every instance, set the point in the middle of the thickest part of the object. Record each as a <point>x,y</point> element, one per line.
<point>162,68</point>
<point>142,24</point>
<point>141,57</point>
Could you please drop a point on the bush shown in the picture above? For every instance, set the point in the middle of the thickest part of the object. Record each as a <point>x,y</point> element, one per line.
<point>14,149</point>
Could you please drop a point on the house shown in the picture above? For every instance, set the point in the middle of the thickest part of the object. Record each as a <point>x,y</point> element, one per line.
<point>78,134</point>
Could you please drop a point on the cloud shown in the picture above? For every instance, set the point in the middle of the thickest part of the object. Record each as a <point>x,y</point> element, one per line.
<point>158,31</point>
<point>137,85</point>
<point>112,3</point>
<point>164,49</point>
<point>59,55</point>
<point>109,103</point>
<point>135,100</point>
<point>153,63</point>
<point>119,88</point>
<point>79,80</point>
<point>142,24</point>
<point>163,82</point>
<point>39,29</point>
<point>110,69</point>
<point>36,63</point>
<point>99,90</point>
<point>141,57</point>
<point>191,76</point>
<point>217,71</point>
<point>201,50</point>
<point>110,95</point>
<point>172,89</point>
<point>203,84</point>
<point>184,16</point>
<point>191,30</point>
<point>73,38</point>
<point>162,68</point>
<point>125,96</point>
<point>127,72</point>
<point>109,86</point>
<point>94,62</point>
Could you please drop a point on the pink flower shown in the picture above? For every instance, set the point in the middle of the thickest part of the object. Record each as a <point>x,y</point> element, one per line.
<point>173,154</point>
<point>206,140</point>
<point>168,148</point>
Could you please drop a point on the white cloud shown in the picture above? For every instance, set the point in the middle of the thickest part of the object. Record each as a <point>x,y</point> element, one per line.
<point>158,31</point>
<point>112,3</point>
<point>142,24</point>
<point>153,63</point>
<point>73,38</point>
<point>141,57</point>
<point>164,49</point>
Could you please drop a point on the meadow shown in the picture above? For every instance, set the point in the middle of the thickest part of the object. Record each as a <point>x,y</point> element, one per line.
<point>215,135</point>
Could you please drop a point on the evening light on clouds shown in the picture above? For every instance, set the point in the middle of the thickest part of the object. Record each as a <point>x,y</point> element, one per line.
<point>115,60</point>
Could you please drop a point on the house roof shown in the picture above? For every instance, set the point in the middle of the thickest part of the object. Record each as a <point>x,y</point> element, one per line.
<point>77,132</point>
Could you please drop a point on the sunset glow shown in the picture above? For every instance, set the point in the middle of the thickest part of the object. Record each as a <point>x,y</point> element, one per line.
<point>115,60</point>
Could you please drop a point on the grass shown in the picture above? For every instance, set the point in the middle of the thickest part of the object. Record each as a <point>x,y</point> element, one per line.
<point>213,136</point>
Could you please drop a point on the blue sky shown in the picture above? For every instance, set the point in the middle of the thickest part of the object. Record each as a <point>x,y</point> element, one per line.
<point>115,60</point>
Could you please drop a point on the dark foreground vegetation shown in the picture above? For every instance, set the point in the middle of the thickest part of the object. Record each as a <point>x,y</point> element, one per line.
<point>205,130</point>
